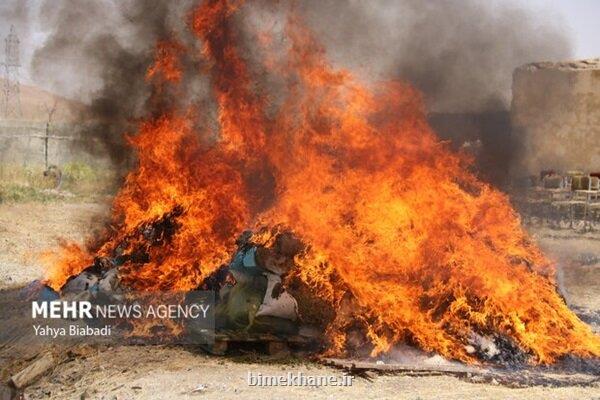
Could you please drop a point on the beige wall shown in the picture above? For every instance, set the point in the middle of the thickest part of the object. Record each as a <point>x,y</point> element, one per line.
<point>555,113</point>
<point>22,143</point>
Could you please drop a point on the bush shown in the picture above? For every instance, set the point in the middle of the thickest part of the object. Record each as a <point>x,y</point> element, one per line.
<point>78,172</point>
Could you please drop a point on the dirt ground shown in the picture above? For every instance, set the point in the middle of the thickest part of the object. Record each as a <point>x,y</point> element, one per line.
<point>155,372</point>
<point>27,229</point>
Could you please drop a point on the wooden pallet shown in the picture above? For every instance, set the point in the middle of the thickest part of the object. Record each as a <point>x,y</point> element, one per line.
<point>274,345</point>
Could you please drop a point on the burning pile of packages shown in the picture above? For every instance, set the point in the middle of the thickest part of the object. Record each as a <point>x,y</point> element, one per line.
<point>254,291</point>
<point>251,294</point>
<point>250,291</point>
<point>404,244</point>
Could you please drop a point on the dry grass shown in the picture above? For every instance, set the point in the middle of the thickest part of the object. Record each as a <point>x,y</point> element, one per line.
<point>80,181</point>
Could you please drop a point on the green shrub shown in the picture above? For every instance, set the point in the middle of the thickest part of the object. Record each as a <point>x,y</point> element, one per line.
<point>78,171</point>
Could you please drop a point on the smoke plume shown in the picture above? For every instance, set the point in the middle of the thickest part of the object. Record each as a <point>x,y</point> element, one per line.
<point>459,54</point>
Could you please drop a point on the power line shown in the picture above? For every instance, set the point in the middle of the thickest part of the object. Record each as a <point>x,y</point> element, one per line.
<point>11,90</point>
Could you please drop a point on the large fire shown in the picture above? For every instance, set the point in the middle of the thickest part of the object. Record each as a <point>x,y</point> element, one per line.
<point>395,221</point>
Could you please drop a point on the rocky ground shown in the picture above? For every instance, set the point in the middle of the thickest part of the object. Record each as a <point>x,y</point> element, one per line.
<point>155,372</point>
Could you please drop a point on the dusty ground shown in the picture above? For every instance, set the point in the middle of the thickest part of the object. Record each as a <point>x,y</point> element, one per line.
<point>129,372</point>
<point>28,229</point>
<point>159,373</point>
<point>578,258</point>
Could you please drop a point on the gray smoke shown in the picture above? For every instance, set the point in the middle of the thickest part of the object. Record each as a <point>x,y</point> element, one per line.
<point>98,52</point>
<point>461,54</point>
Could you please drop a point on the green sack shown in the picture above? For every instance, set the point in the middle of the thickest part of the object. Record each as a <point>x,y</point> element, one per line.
<point>239,304</point>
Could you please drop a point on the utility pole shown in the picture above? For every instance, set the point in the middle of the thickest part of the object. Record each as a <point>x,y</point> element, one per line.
<point>11,90</point>
<point>50,111</point>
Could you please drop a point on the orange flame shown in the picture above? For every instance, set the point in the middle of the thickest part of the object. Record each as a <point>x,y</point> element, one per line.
<point>167,64</point>
<point>69,261</point>
<point>394,219</point>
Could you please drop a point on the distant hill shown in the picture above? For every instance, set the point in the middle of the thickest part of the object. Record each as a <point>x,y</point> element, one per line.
<point>36,103</point>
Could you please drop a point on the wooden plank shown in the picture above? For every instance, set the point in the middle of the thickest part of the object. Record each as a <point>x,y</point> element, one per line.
<point>33,371</point>
<point>517,378</point>
<point>279,349</point>
<point>397,367</point>
<point>218,348</point>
